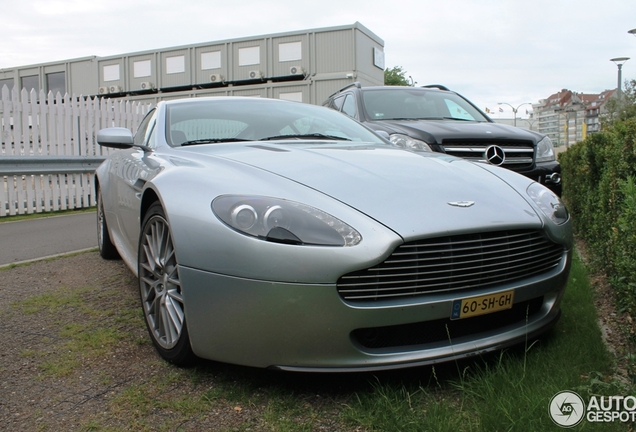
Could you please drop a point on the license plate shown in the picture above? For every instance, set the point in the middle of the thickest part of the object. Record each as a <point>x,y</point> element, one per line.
<point>473,306</point>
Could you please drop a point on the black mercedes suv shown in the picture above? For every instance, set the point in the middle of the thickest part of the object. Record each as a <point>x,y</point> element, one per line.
<point>435,118</point>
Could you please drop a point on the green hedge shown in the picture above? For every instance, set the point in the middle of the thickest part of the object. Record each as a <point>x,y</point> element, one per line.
<point>599,187</point>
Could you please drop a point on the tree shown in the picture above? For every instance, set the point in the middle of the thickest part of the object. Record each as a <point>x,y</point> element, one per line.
<point>395,77</point>
<point>621,109</point>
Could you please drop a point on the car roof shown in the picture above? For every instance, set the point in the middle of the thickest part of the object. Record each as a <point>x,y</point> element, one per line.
<point>357,85</point>
<point>403,88</point>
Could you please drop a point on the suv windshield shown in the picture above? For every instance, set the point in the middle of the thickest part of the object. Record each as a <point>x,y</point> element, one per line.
<point>417,104</point>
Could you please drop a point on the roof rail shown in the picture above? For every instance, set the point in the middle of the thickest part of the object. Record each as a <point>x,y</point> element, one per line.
<point>437,86</point>
<point>354,84</point>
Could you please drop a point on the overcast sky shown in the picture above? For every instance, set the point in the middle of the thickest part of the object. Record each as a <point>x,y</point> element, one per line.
<point>512,51</point>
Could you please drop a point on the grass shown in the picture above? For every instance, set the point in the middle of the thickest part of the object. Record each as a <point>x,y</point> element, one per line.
<point>506,391</point>
<point>52,302</point>
<point>84,338</point>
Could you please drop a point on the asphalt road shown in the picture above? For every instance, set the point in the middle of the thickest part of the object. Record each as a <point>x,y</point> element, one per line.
<point>44,237</point>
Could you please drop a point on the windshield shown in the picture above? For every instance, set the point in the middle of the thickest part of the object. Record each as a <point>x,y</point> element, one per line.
<point>234,119</point>
<point>417,104</point>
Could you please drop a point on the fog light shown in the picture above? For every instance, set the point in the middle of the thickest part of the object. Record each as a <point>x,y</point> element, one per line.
<point>554,178</point>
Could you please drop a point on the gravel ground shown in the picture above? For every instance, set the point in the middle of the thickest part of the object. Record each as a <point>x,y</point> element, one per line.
<point>53,378</point>
<point>32,397</point>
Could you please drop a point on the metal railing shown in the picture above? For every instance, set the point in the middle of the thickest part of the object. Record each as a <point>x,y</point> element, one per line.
<point>42,165</point>
<point>34,184</point>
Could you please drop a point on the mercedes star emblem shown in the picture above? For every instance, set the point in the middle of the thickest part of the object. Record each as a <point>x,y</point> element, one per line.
<point>495,155</point>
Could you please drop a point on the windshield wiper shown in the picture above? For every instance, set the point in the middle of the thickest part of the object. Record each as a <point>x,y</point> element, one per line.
<point>212,140</point>
<point>458,119</point>
<point>305,136</point>
<point>430,118</point>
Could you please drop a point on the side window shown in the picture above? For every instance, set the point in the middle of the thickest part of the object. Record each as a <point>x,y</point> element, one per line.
<point>349,106</point>
<point>143,131</point>
<point>336,103</point>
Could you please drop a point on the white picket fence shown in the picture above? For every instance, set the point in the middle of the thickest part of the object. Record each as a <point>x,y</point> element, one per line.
<point>36,125</point>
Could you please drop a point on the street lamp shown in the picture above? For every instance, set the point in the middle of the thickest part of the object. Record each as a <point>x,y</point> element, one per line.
<point>620,61</point>
<point>514,110</point>
<point>632,31</point>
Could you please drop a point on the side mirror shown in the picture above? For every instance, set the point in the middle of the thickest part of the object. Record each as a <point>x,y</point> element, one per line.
<point>115,137</point>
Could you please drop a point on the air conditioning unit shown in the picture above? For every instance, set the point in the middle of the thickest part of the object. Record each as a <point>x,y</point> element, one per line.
<point>296,70</point>
<point>216,78</point>
<point>146,85</point>
<point>256,74</point>
<point>114,89</point>
<point>103,90</point>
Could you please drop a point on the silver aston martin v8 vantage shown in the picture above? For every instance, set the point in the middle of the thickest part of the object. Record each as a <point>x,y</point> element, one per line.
<point>277,234</point>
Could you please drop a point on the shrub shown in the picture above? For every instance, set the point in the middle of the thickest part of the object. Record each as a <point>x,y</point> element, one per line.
<point>599,186</point>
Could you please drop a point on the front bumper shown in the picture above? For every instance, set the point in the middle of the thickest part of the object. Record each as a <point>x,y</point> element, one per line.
<point>308,327</point>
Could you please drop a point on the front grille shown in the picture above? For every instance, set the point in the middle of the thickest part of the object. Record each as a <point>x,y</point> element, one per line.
<point>444,330</point>
<point>519,154</point>
<point>454,263</point>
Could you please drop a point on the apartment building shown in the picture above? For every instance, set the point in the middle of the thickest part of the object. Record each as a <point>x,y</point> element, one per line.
<point>568,117</point>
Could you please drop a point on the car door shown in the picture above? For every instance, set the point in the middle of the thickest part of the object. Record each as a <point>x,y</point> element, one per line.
<point>135,168</point>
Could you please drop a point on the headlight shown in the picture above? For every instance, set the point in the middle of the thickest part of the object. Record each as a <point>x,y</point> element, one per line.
<point>283,221</point>
<point>407,142</point>
<point>549,203</point>
<point>545,150</point>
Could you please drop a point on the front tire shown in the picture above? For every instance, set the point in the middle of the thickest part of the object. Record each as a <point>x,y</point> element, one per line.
<point>160,289</point>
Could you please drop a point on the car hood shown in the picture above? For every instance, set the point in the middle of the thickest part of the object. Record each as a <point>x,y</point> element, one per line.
<point>442,129</point>
<point>411,193</point>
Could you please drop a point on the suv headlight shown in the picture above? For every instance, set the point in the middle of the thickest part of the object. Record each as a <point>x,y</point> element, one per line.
<point>545,150</point>
<point>283,221</point>
<point>550,204</point>
<point>407,142</point>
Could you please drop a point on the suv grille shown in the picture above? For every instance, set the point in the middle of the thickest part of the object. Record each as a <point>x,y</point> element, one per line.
<point>454,263</point>
<point>519,154</point>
